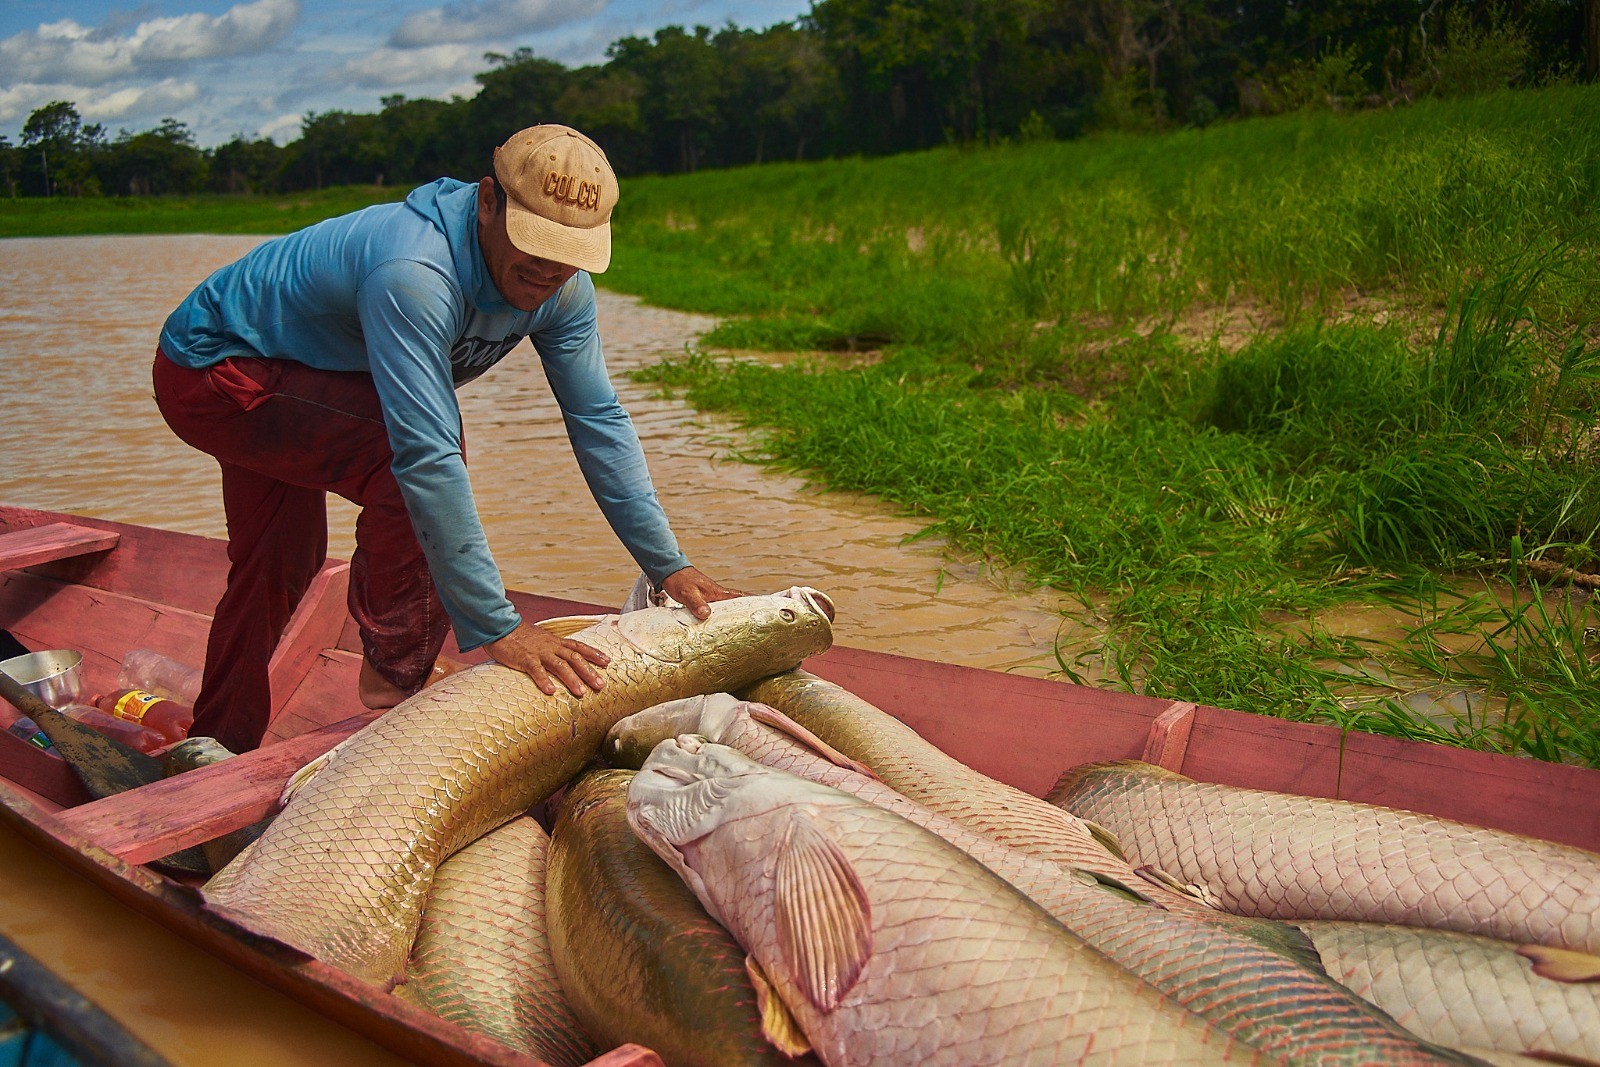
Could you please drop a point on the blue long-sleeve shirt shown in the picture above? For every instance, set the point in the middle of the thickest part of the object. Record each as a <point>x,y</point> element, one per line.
<point>400,291</point>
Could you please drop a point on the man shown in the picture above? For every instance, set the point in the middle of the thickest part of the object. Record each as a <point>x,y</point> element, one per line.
<point>328,360</point>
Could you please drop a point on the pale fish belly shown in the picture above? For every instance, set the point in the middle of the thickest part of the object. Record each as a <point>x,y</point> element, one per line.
<point>1291,857</point>
<point>1461,990</point>
<point>1258,995</point>
<point>343,872</point>
<point>890,946</point>
<point>482,959</point>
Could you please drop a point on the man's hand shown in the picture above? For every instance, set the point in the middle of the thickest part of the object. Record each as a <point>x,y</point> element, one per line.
<point>547,659</point>
<point>695,591</point>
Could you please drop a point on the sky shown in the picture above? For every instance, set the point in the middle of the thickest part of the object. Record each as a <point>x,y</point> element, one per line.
<point>256,67</point>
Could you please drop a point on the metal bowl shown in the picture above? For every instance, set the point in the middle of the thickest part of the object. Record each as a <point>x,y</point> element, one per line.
<point>54,677</point>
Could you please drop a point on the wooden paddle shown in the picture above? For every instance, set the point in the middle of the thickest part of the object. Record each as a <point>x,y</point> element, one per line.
<point>103,764</point>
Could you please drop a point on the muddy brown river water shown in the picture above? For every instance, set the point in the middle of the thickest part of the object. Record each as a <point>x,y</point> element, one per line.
<point>79,433</point>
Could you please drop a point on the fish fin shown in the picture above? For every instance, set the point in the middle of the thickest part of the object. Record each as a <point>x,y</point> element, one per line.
<point>823,916</point>
<point>297,781</point>
<point>1112,885</point>
<point>1560,964</point>
<point>777,1025</point>
<point>1074,778</point>
<point>1156,876</point>
<point>1284,938</point>
<point>1106,839</point>
<point>567,625</point>
<point>1541,1056</point>
<point>771,716</point>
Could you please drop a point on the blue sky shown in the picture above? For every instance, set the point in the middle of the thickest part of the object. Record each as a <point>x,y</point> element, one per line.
<point>256,66</point>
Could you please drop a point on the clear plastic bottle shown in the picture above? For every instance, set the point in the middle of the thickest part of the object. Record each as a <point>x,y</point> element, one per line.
<point>166,717</point>
<point>29,731</point>
<point>131,734</point>
<point>152,672</point>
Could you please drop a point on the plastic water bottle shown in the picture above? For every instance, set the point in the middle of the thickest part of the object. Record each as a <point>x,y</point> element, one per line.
<point>29,731</point>
<point>132,734</point>
<point>167,718</point>
<point>152,672</point>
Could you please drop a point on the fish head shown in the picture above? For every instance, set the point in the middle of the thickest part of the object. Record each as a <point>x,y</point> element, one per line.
<point>682,793</point>
<point>631,740</point>
<point>763,634</point>
<point>679,793</point>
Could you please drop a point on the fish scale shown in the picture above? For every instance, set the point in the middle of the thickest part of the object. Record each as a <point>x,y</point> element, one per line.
<point>482,959</point>
<point>1461,990</point>
<point>913,767</point>
<point>640,959</point>
<point>342,872</point>
<point>1255,994</point>
<point>961,969</point>
<point>1282,856</point>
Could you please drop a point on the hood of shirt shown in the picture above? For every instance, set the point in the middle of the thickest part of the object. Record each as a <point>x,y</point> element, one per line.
<point>451,206</point>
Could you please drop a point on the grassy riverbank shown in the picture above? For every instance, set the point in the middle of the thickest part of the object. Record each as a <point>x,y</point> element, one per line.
<point>185,214</point>
<point>1231,387</point>
<point>1301,411</point>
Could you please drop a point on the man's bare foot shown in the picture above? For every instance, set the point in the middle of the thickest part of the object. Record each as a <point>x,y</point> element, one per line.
<point>378,693</point>
<point>444,667</point>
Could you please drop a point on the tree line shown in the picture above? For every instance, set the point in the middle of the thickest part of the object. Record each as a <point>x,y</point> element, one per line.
<point>864,77</point>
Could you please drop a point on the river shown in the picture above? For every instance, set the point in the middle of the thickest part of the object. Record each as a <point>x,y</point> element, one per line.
<point>80,433</point>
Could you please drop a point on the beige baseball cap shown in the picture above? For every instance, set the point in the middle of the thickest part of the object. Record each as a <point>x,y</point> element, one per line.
<point>559,194</point>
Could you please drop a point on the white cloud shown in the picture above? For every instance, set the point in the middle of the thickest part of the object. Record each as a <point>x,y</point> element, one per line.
<point>483,20</point>
<point>146,101</point>
<point>99,104</point>
<point>67,51</point>
<point>398,68</point>
<point>282,129</point>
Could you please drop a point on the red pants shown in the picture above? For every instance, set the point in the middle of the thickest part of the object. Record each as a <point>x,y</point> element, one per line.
<point>285,435</point>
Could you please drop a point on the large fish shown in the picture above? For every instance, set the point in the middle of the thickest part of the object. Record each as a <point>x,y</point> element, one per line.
<point>482,959</point>
<point>888,944</point>
<point>1291,857</point>
<point>640,959</point>
<point>1258,995</point>
<point>1462,990</point>
<point>343,871</point>
<point>903,760</point>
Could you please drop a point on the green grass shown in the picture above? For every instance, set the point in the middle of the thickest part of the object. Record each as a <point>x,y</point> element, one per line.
<point>212,213</point>
<point>1038,349</point>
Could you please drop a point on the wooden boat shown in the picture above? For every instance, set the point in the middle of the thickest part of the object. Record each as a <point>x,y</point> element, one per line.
<point>105,588</point>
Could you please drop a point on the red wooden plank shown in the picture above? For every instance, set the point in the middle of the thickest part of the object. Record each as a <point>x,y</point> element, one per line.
<point>1026,731</point>
<point>38,772</point>
<point>1168,739</point>
<point>1546,800</point>
<point>56,540</point>
<point>159,819</point>
<point>326,694</point>
<point>1021,730</point>
<point>315,625</point>
<point>164,566</point>
<point>49,613</point>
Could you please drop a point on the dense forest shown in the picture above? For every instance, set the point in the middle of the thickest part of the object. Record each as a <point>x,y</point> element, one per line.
<point>865,77</point>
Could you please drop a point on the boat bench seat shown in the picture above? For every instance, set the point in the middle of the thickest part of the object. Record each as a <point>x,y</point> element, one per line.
<point>56,540</point>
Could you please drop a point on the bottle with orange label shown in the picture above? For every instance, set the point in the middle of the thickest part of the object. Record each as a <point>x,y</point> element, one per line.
<point>131,734</point>
<point>166,717</point>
